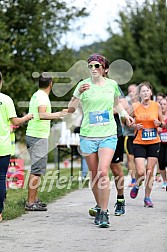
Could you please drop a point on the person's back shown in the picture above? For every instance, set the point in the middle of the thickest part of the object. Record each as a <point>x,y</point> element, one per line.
<point>37,127</point>
<point>37,135</point>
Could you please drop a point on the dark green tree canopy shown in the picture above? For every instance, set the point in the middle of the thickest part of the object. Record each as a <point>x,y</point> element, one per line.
<point>30,41</point>
<point>142,41</point>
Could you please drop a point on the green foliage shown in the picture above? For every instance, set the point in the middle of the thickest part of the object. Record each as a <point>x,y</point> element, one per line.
<point>142,42</point>
<point>30,41</point>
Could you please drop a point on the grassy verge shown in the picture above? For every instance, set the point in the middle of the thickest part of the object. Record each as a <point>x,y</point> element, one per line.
<point>50,190</point>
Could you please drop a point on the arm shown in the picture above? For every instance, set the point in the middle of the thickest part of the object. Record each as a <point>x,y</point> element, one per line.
<point>160,122</point>
<point>16,121</point>
<point>43,115</point>
<point>123,113</point>
<point>73,104</point>
<point>135,126</point>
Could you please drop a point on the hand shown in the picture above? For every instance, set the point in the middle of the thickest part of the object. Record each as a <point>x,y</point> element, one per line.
<point>129,120</point>
<point>83,88</point>
<point>65,110</point>
<point>62,113</point>
<point>157,123</point>
<point>29,117</point>
<point>139,126</point>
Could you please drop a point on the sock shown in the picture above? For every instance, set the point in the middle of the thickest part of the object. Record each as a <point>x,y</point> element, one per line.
<point>147,198</point>
<point>133,181</point>
<point>120,198</point>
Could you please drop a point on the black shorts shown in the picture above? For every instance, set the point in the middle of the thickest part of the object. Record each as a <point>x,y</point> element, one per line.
<point>162,156</point>
<point>119,152</point>
<point>146,150</point>
<point>128,145</point>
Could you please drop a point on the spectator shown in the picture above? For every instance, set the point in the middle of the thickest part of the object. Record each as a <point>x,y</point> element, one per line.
<point>37,134</point>
<point>7,116</point>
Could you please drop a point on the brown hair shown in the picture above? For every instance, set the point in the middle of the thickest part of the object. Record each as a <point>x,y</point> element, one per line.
<point>144,83</point>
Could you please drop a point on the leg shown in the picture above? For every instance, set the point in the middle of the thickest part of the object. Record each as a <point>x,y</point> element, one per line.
<point>117,171</point>
<point>131,166</point>
<point>84,167</point>
<point>162,160</point>
<point>140,170</point>
<point>128,147</point>
<point>163,174</point>
<point>92,161</point>
<point>119,183</point>
<point>140,176</point>
<point>157,176</point>
<point>105,157</point>
<point>4,163</point>
<point>38,149</point>
<point>151,162</point>
<point>33,184</point>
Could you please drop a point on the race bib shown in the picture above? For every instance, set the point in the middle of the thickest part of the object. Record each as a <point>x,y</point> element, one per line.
<point>149,134</point>
<point>99,118</point>
<point>163,137</point>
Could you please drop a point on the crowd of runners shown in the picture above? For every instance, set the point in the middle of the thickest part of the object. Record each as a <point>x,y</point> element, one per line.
<point>112,125</point>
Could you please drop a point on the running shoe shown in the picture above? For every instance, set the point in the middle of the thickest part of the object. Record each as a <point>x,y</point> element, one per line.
<point>34,207</point>
<point>93,211</point>
<point>97,217</point>
<point>120,207</point>
<point>104,220</point>
<point>148,202</point>
<point>134,192</point>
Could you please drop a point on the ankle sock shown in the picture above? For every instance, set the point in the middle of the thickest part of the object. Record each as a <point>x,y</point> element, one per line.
<point>133,181</point>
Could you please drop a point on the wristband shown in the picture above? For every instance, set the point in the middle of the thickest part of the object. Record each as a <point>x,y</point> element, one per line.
<point>123,113</point>
<point>77,93</point>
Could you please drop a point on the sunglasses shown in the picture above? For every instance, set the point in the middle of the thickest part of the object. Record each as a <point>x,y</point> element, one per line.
<point>94,65</point>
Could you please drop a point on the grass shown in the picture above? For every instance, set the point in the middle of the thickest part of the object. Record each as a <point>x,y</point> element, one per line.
<point>49,191</point>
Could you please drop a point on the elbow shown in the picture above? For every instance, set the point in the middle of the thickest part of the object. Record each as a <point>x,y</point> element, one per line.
<point>41,116</point>
<point>71,110</point>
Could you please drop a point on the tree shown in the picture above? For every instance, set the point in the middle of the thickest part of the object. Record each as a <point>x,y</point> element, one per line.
<point>142,41</point>
<point>30,41</point>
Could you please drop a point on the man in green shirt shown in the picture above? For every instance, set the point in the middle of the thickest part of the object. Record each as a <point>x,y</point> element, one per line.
<point>37,135</point>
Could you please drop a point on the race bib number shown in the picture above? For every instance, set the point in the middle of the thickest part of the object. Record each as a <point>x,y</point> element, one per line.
<point>163,137</point>
<point>99,118</point>
<point>149,134</point>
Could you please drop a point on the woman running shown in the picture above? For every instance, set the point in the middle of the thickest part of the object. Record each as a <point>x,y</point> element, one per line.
<point>163,145</point>
<point>98,134</point>
<point>148,117</point>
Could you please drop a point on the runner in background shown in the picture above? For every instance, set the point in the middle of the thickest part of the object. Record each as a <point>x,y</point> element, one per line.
<point>158,98</point>
<point>148,117</point>
<point>163,145</point>
<point>129,136</point>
